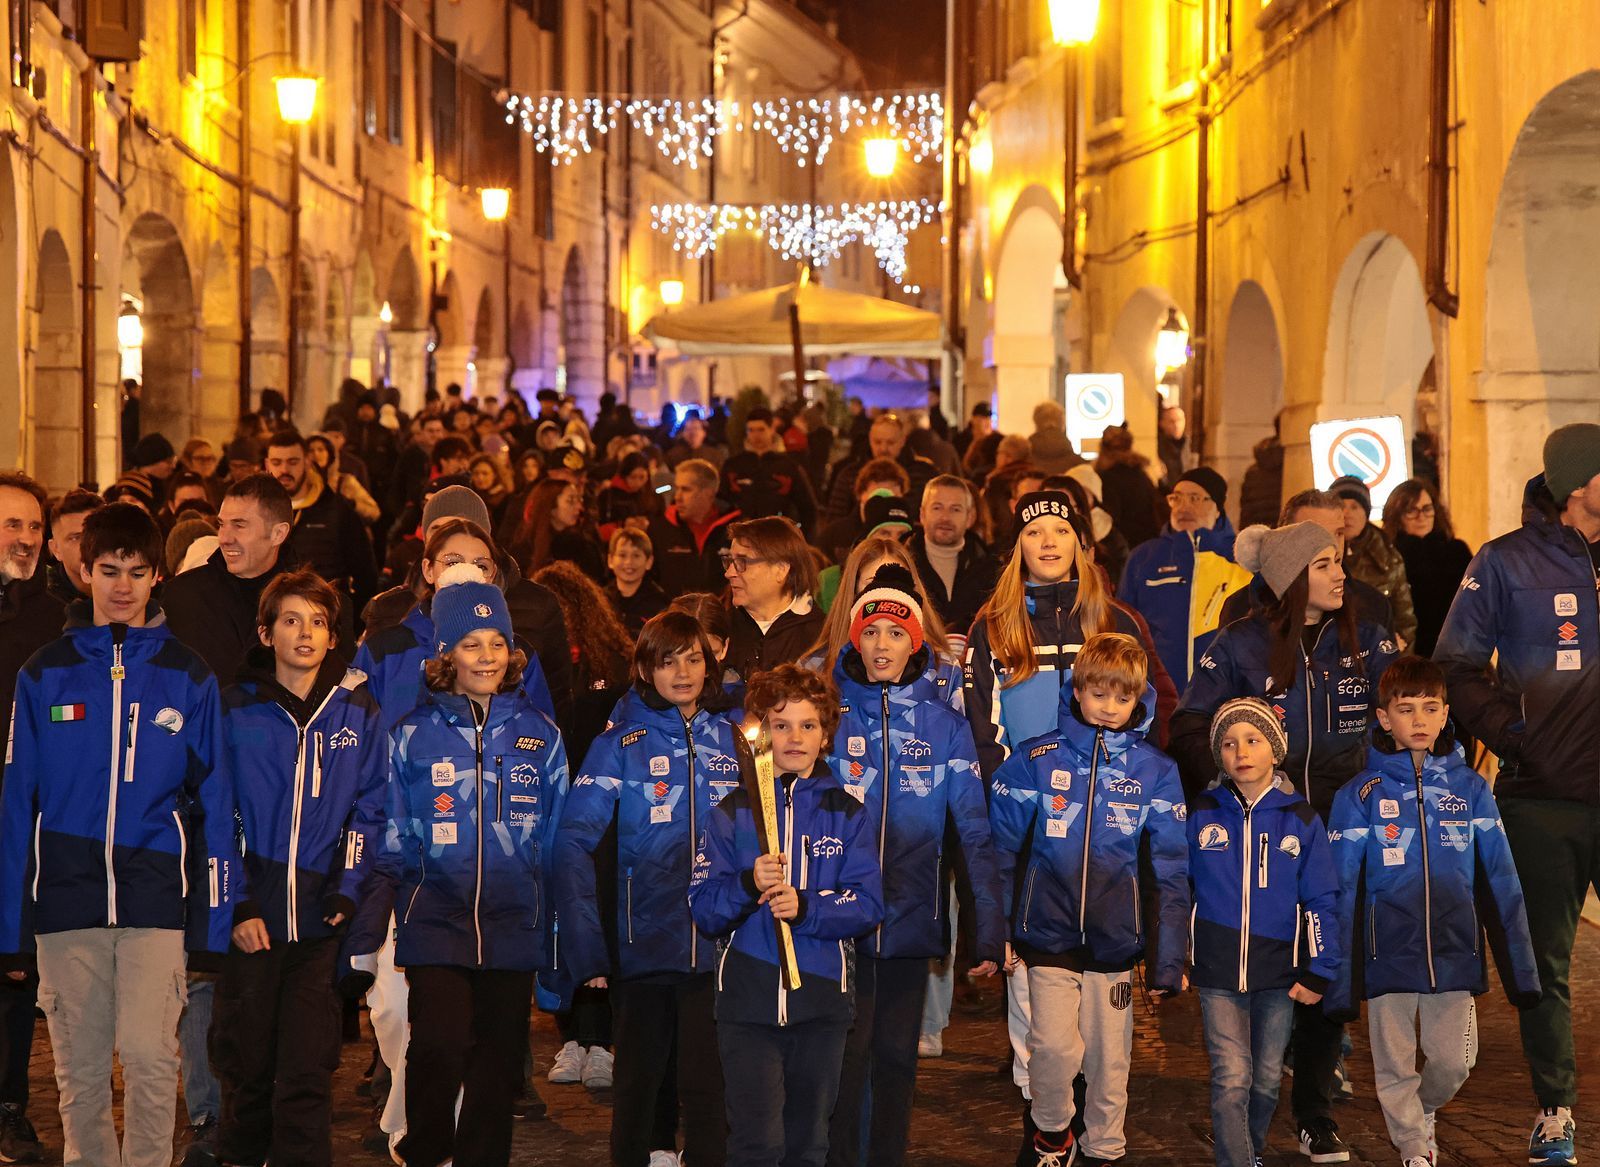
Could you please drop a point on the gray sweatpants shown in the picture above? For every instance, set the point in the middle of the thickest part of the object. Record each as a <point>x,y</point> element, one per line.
<point>1081,1021</point>
<point>1449,1024</point>
<point>122,989</point>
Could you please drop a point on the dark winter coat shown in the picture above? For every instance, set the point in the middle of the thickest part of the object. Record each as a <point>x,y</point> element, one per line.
<point>1435,567</point>
<point>1372,559</point>
<point>786,642</point>
<point>1261,492</point>
<point>975,575</point>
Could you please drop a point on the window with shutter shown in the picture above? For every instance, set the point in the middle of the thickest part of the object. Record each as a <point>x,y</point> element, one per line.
<point>112,29</point>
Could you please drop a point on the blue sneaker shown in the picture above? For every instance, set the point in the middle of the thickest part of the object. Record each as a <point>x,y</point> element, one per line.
<point>1554,1140</point>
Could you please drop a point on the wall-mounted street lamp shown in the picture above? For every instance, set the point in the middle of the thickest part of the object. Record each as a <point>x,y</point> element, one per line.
<point>1172,344</point>
<point>1072,22</point>
<point>1072,25</point>
<point>496,202</point>
<point>297,105</point>
<point>671,292</point>
<point>297,98</point>
<point>882,155</point>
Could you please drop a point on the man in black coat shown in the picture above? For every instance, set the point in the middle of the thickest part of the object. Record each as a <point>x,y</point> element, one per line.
<point>763,481</point>
<point>327,535</point>
<point>886,439</point>
<point>956,568</point>
<point>688,538</point>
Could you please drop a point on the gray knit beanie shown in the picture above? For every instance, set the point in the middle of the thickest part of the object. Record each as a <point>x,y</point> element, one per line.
<point>455,502</point>
<point>1255,712</point>
<point>1280,554</point>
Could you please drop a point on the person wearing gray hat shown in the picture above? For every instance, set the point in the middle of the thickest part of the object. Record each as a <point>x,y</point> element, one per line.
<point>1316,665</point>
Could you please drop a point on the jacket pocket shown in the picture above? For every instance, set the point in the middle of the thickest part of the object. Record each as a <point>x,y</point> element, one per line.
<point>938,884</point>
<point>1027,895</point>
<point>805,860</point>
<point>1138,908</point>
<point>1372,929</point>
<point>183,854</point>
<point>131,746</point>
<point>628,903</point>
<point>38,857</point>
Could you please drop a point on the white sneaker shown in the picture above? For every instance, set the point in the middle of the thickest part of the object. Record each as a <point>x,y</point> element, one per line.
<point>394,1148</point>
<point>567,1070</point>
<point>597,1068</point>
<point>1430,1123</point>
<point>930,1045</point>
<point>664,1159</point>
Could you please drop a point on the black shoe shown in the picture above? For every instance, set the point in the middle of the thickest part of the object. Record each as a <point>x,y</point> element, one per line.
<point>1320,1141</point>
<point>529,1106</point>
<point>202,1148</point>
<point>18,1142</point>
<point>1025,1155</point>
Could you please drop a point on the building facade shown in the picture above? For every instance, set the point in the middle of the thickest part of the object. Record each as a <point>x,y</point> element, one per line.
<point>1354,207</point>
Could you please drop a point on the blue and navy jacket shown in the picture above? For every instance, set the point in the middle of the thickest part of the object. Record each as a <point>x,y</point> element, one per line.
<point>310,780</point>
<point>115,753</point>
<point>393,660</point>
<point>832,864</point>
<point>1002,716</point>
<point>657,778</point>
<point>1325,707</point>
<point>1530,595</point>
<point>1159,581</point>
<point>912,764</point>
<point>474,800</point>
<point>1426,872</point>
<point>1265,894</point>
<point>1081,805</point>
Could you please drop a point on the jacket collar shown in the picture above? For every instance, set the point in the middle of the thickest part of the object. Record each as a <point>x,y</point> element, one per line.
<point>1047,596</point>
<point>850,673</point>
<point>1280,793</point>
<point>1084,738</point>
<point>457,708</point>
<point>1541,515</point>
<point>1389,759</point>
<point>260,669</point>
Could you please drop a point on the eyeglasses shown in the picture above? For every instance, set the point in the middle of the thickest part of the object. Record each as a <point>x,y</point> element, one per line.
<point>739,563</point>
<point>484,565</point>
<point>1195,500</point>
<point>1418,512</point>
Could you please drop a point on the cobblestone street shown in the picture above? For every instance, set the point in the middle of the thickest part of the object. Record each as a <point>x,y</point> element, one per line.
<point>967,1113</point>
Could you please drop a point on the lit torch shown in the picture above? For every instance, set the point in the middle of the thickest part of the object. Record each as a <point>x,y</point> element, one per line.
<point>760,773</point>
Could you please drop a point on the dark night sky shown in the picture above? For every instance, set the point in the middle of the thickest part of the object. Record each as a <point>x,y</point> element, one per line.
<point>900,42</point>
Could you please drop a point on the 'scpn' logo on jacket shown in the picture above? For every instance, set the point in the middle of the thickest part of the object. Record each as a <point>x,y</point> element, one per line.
<point>345,737</point>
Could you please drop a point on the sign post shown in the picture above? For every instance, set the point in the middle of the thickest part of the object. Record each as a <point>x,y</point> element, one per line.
<point>1094,401</point>
<point>1372,449</point>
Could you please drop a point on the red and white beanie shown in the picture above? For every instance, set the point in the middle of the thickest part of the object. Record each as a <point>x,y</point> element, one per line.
<point>891,595</point>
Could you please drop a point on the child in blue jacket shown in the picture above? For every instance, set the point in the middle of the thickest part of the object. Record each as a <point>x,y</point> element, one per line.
<point>1084,804</point>
<point>478,778</point>
<point>115,738</point>
<point>655,777</point>
<point>912,763</point>
<point>308,757</point>
<point>1426,873</point>
<point>1263,934</point>
<point>781,1048</point>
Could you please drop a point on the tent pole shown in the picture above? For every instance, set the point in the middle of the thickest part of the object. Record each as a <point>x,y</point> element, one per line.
<point>799,345</point>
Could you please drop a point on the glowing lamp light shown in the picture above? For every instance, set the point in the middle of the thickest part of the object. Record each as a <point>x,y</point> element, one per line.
<point>496,203</point>
<point>130,329</point>
<point>883,155</point>
<point>1072,22</point>
<point>1172,343</point>
<point>386,313</point>
<point>297,97</point>
<point>982,156</point>
<point>671,292</point>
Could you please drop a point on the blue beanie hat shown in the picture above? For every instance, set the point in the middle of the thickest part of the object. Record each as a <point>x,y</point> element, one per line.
<point>464,602</point>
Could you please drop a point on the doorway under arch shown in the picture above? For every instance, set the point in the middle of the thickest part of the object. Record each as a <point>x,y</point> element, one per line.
<point>582,369</point>
<point>1133,354</point>
<point>57,370</point>
<point>1251,392</point>
<point>156,271</point>
<point>1027,356</point>
<point>1380,339</point>
<point>266,334</point>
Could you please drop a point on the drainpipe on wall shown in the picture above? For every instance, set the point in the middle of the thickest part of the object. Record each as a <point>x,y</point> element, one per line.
<point>91,271</point>
<point>245,245</point>
<point>1441,26</point>
<point>1199,327</point>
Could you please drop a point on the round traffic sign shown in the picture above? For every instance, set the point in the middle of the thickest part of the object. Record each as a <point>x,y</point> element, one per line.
<point>1360,453</point>
<point>1094,402</point>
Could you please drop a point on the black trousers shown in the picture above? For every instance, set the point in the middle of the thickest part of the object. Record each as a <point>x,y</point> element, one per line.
<point>881,1051</point>
<point>17,1000</point>
<point>468,1032</point>
<point>274,1046</point>
<point>780,1082</point>
<point>652,1021</point>
<point>588,1022</point>
<point>1316,1042</point>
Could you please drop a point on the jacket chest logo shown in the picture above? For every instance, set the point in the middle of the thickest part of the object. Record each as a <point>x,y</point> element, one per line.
<point>443,805</point>
<point>530,744</point>
<point>345,737</point>
<point>524,774</point>
<point>170,720</point>
<point>1213,837</point>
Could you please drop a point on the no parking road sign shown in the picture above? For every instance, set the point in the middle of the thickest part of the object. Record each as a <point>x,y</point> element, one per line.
<point>1094,401</point>
<point>1372,449</point>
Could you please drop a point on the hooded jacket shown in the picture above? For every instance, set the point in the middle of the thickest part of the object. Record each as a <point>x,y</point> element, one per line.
<point>912,764</point>
<point>1079,807</point>
<point>1426,873</point>
<point>474,800</point>
<point>1532,596</point>
<point>115,740</point>
<point>309,779</point>
<point>658,779</point>
<point>1002,716</point>
<point>1265,893</point>
<point>1325,708</point>
<point>832,864</point>
<point>1179,581</point>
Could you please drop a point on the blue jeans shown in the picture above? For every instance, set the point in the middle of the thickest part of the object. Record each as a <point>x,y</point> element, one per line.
<point>202,1097</point>
<point>1246,1035</point>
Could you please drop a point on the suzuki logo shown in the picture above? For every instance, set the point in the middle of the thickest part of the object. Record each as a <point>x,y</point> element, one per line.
<point>444,804</point>
<point>1569,632</point>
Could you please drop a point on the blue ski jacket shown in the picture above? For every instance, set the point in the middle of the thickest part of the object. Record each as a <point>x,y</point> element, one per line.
<point>1159,580</point>
<point>1532,596</point>
<point>1265,894</point>
<point>827,839</point>
<point>116,745</point>
<point>658,779</point>
<point>941,679</point>
<point>310,779</point>
<point>1426,872</point>
<point>911,762</point>
<point>1081,805</point>
<point>393,660</point>
<point>474,800</point>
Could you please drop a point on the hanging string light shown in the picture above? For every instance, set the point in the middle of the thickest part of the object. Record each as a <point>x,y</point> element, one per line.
<point>802,231</point>
<point>566,126</point>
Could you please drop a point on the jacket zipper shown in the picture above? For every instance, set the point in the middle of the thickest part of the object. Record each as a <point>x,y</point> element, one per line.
<point>316,765</point>
<point>1427,876</point>
<point>1027,896</point>
<point>805,862</point>
<point>133,741</point>
<point>479,717</point>
<point>1310,685</point>
<point>1088,832</point>
<point>1138,909</point>
<point>689,794</point>
<point>499,788</point>
<point>883,813</point>
<point>1372,928</point>
<point>629,895</point>
<point>1244,907</point>
<point>788,853</point>
<point>117,673</point>
<point>1263,854</point>
<point>301,735</point>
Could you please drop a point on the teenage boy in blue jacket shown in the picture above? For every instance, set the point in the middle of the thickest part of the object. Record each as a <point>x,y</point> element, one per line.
<point>654,778</point>
<point>1084,805</point>
<point>115,733</point>
<point>781,1048</point>
<point>912,763</point>
<point>1263,937</point>
<point>1426,872</point>
<point>309,762</point>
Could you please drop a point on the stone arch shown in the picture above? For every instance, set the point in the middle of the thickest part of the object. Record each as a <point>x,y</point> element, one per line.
<point>367,335</point>
<point>491,364</point>
<point>57,369</point>
<point>156,272</point>
<point>266,333</point>
<point>449,319</point>
<point>406,339</point>
<point>403,293</point>
<point>1250,392</point>
<point>1133,354</point>
<point>1027,351</point>
<point>1542,289</point>
<point>1380,339</point>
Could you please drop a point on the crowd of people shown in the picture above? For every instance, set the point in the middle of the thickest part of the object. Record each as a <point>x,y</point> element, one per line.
<point>734,742</point>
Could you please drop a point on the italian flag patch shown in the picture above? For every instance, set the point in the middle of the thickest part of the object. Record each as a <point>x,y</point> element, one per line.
<point>66,713</point>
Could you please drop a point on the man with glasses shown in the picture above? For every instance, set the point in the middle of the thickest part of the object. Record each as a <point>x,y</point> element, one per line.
<point>1179,580</point>
<point>772,582</point>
